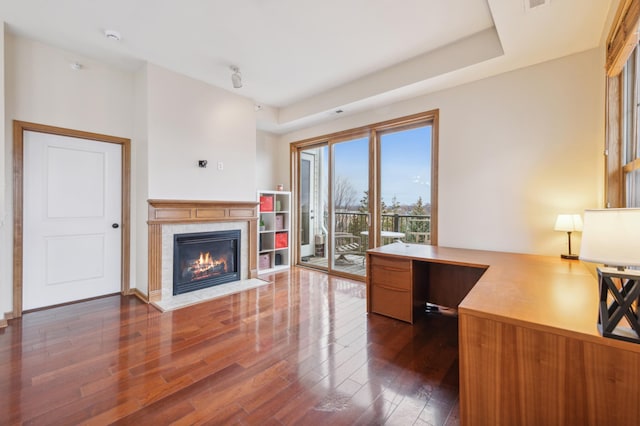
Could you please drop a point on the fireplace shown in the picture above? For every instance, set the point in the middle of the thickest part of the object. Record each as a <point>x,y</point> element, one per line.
<point>205,259</point>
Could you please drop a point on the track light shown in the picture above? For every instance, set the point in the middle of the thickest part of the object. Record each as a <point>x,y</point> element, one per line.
<point>236,77</point>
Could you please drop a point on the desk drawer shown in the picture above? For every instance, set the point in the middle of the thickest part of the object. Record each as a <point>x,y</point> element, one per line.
<point>391,272</point>
<point>392,263</point>
<point>394,303</point>
<point>390,278</point>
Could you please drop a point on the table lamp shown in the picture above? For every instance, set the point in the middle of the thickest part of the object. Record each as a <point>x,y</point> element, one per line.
<point>612,237</point>
<point>569,223</point>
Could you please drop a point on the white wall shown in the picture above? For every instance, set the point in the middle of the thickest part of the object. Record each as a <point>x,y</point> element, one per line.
<point>173,121</point>
<point>515,150</point>
<point>41,87</point>
<point>188,121</point>
<point>6,231</point>
<point>179,121</point>
<point>3,180</point>
<point>272,162</point>
<point>140,185</point>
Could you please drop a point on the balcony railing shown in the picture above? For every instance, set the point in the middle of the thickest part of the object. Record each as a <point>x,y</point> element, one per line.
<point>417,228</point>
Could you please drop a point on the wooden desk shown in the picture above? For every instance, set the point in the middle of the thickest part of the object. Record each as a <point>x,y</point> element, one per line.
<point>530,351</point>
<point>402,278</point>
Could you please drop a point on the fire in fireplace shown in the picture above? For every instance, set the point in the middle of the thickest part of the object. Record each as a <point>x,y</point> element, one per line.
<point>205,259</point>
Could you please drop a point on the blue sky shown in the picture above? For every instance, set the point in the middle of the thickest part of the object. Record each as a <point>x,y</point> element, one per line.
<point>405,165</point>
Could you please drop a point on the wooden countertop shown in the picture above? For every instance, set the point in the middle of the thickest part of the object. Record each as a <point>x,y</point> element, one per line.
<point>542,292</point>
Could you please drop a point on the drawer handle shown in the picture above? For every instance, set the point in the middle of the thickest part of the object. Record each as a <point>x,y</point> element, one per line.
<point>400,290</point>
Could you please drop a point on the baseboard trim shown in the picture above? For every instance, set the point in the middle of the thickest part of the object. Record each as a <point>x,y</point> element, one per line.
<point>4,322</point>
<point>137,293</point>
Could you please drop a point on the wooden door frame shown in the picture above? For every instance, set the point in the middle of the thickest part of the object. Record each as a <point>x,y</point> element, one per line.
<point>19,127</point>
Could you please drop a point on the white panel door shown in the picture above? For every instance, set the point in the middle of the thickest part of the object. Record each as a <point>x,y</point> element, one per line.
<point>72,205</point>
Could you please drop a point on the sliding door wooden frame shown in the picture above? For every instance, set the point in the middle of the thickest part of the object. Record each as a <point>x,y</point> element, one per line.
<point>294,155</point>
<point>332,142</point>
<point>373,131</point>
<point>430,120</point>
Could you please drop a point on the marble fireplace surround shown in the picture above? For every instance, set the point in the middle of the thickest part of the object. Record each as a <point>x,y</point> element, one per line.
<point>168,217</point>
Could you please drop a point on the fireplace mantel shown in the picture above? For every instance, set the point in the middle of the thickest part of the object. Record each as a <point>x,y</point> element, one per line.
<point>167,212</point>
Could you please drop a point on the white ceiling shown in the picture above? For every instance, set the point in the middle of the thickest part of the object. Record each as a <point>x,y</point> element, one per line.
<point>302,59</point>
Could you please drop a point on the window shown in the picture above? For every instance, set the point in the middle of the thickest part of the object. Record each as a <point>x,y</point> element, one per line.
<point>623,103</point>
<point>630,162</point>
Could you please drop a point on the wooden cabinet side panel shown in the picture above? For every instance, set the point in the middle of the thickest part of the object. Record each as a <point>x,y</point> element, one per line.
<point>516,375</point>
<point>612,385</point>
<point>481,371</point>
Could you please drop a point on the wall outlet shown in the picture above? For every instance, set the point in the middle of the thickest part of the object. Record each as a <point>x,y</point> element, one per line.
<point>220,165</point>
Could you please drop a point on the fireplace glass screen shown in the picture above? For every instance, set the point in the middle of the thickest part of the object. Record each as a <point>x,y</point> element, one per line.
<point>205,259</point>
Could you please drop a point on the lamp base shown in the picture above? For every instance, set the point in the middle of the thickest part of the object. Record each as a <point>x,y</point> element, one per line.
<point>569,256</point>
<point>619,297</point>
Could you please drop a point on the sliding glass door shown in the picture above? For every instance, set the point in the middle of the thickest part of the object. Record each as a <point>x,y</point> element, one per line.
<point>332,230</point>
<point>308,205</point>
<point>313,198</point>
<point>405,185</point>
<point>349,204</point>
<point>385,172</point>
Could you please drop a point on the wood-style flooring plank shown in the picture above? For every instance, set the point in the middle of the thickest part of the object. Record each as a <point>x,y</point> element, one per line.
<point>300,350</point>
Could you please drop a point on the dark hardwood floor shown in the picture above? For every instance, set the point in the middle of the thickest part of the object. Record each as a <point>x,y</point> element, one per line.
<point>301,350</point>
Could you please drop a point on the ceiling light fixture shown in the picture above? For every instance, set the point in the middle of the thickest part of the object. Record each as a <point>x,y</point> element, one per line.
<point>76,66</point>
<point>236,77</point>
<point>112,35</point>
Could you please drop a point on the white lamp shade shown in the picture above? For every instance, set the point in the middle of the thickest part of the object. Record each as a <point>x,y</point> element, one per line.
<point>611,237</point>
<point>568,223</point>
